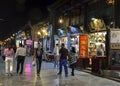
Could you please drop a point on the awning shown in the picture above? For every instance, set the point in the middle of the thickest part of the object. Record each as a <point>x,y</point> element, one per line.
<point>74,30</point>
<point>61,32</point>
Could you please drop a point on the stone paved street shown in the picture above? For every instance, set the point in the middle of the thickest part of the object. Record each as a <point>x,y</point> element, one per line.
<point>49,77</point>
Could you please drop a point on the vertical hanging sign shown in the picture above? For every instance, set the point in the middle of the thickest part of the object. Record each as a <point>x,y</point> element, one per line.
<point>83,45</point>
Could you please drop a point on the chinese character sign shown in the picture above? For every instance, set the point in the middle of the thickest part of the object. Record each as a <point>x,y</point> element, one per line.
<point>83,45</point>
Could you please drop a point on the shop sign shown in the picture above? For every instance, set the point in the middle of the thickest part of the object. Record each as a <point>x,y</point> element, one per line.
<point>115,39</point>
<point>83,45</point>
<point>97,25</point>
<point>29,42</point>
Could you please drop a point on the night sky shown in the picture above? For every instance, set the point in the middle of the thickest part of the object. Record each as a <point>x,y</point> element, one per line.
<point>16,13</point>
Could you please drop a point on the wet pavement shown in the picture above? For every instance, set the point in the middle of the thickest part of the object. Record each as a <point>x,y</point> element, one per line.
<point>49,77</point>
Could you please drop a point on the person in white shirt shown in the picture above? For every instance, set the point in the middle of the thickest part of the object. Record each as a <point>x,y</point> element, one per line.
<point>20,55</point>
<point>56,55</point>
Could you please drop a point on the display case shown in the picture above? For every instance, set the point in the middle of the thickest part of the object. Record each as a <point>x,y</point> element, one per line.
<point>75,42</point>
<point>94,40</point>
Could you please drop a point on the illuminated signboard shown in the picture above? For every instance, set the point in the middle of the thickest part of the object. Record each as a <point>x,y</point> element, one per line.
<point>97,25</point>
<point>83,45</point>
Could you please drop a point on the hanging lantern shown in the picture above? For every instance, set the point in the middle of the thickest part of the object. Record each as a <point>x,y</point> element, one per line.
<point>110,2</point>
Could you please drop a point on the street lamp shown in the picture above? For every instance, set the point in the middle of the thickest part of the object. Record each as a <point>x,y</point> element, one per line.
<point>60,21</point>
<point>39,33</point>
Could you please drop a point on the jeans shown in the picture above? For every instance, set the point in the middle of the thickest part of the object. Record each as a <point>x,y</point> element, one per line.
<point>20,62</point>
<point>63,62</point>
<point>55,61</point>
<point>38,65</point>
<point>9,64</point>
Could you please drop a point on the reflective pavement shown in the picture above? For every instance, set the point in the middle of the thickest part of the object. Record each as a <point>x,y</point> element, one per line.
<point>49,77</point>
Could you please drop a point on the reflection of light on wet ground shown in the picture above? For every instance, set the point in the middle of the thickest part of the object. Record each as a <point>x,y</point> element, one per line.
<point>1,84</point>
<point>28,68</point>
<point>57,82</point>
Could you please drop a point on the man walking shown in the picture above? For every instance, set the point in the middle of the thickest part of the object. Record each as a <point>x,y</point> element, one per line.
<point>63,60</point>
<point>20,55</point>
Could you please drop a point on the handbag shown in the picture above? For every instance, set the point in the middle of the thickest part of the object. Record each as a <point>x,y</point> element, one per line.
<point>33,63</point>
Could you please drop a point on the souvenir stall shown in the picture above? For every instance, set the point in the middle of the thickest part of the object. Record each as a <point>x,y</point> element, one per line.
<point>95,40</point>
<point>97,44</point>
<point>89,45</point>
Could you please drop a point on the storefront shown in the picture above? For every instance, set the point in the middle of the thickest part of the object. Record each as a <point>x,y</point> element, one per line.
<point>63,37</point>
<point>114,49</point>
<point>94,41</point>
<point>20,38</point>
<point>89,44</point>
<point>74,37</point>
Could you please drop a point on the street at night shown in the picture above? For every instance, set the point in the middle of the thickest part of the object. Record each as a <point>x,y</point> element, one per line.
<point>49,77</point>
<point>60,43</point>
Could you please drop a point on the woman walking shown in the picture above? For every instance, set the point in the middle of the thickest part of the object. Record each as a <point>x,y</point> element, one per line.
<point>38,55</point>
<point>9,53</point>
<point>72,60</point>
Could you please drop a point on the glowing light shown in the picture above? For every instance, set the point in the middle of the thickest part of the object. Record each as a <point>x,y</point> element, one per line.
<point>43,30</point>
<point>28,68</point>
<point>39,33</point>
<point>60,21</point>
<point>110,2</point>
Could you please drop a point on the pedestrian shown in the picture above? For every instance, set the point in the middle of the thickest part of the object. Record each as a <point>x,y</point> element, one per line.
<point>56,55</point>
<point>38,56</point>
<point>72,59</point>
<point>9,54</point>
<point>63,52</point>
<point>20,56</point>
<point>100,50</point>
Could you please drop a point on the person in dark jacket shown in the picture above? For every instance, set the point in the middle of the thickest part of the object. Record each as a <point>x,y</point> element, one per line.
<point>63,60</point>
<point>39,53</point>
